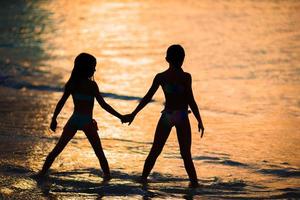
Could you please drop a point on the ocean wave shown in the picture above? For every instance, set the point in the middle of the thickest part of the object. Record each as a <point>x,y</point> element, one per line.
<point>235,183</point>
<point>276,170</point>
<point>52,88</point>
<point>220,160</point>
<point>206,158</point>
<point>281,172</point>
<point>287,193</point>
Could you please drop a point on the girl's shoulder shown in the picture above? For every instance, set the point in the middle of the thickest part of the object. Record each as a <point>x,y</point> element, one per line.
<point>92,83</point>
<point>187,78</point>
<point>88,84</point>
<point>94,86</point>
<point>187,75</point>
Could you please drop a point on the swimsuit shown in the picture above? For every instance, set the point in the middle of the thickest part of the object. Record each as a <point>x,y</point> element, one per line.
<point>83,97</point>
<point>173,88</point>
<point>170,116</point>
<point>174,117</point>
<point>79,121</point>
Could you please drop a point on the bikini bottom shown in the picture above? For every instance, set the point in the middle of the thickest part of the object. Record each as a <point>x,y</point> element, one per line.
<point>174,117</point>
<point>80,122</point>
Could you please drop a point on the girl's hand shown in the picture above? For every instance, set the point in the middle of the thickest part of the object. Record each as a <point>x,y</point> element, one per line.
<point>122,118</point>
<point>131,118</point>
<point>53,125</point>
<point>128,118</point>
<point>201,128</point>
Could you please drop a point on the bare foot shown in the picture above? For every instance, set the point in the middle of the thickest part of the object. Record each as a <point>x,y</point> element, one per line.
<point>106,177</point>
<point>142,180</point>
<point>39,175</point>
<point>193,184</point>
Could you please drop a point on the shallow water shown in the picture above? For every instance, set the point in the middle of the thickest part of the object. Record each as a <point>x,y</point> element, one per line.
<point>244,59</point>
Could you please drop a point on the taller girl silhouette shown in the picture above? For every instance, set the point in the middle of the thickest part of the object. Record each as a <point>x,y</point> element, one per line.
<point>177,88</point>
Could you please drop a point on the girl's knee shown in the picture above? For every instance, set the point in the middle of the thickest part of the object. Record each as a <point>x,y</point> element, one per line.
<point>99,154</point>
<point>52,155</point>
<point>57,150</point>
<point>155,152</point>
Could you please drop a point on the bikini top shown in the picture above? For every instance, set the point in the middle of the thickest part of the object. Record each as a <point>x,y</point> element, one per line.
<point>83,97</point>
<point>172,88</point>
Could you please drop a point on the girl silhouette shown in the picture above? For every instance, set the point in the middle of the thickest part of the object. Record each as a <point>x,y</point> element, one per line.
<point>177,88</point>
<point>83,89</point>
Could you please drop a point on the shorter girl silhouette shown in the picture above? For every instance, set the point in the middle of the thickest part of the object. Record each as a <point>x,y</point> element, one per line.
<point>177,88</point>
<point>83,89</point>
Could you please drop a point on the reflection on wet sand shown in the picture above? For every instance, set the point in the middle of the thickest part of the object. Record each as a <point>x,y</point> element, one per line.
<point>83,183</point>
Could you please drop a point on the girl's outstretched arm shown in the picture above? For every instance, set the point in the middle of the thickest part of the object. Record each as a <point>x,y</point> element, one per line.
<point>193,105</point>
<point>146,99</point>
<point>103,104</point>
<point>58,108</point>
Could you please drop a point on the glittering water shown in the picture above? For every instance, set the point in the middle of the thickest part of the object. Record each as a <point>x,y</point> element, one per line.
<point>244,59</point>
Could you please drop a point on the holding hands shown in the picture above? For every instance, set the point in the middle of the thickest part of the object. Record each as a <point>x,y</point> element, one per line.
<point>128,118</point>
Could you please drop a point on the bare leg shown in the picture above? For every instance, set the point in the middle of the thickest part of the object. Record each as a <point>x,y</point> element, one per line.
<point>184,138</point>
<point>92,135</point>
<point>161,135</point>
<point>66,136</point>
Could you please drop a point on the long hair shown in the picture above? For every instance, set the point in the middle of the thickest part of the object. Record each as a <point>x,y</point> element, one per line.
<point>84,66</point>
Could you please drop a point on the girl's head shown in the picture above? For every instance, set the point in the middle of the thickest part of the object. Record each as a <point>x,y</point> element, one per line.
<point>84,68</point>
<point>175,55</point>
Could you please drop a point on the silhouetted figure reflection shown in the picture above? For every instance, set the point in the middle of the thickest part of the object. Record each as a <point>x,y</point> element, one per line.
<point>83,89</point>
<point>177,88</point>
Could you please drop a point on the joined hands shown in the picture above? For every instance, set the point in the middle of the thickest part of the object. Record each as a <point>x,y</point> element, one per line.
<point>127,118</point>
